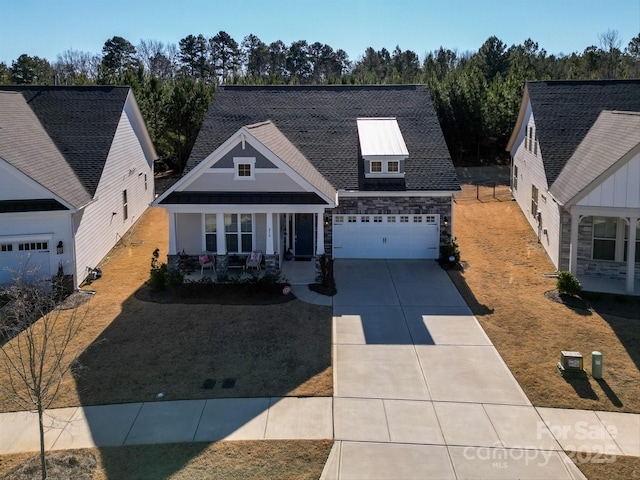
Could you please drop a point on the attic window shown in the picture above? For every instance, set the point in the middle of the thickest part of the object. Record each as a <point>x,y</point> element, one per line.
<point>244,168</point>
<point>382,147</point>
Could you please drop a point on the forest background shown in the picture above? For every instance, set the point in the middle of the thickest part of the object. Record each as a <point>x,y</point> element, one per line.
<point>477,94</point>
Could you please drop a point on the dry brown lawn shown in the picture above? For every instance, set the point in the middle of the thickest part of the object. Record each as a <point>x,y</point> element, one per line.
<point>503,284</point>
<point>295,460</point>
<point>133,349</point>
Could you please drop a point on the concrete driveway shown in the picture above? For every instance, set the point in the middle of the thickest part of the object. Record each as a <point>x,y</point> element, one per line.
<point>420,391</point>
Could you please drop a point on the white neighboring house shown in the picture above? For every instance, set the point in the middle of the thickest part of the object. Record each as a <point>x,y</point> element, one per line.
<point>575,153</point>
<point>76,172</point>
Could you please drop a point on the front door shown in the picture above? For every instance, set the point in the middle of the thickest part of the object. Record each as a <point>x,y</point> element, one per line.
<point>304,235</point>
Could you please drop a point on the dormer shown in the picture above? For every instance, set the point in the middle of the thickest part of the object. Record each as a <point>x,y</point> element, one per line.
<point>382,147</point>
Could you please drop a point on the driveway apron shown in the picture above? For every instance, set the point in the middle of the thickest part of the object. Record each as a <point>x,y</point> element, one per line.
<point>419,389</point>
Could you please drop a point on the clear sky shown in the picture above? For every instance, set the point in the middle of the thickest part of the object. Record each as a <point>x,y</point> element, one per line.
<point>46,28</point>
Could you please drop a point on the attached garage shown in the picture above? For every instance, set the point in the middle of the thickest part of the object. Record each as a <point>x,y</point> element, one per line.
<point>386,236</point>
<point>29,255</point>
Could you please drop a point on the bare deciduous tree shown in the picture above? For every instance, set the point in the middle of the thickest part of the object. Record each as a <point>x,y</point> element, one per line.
<point>38,349</point>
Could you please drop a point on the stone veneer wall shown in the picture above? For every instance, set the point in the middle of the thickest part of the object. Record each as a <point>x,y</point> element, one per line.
<point>386,206</point>
<point>586,265</point>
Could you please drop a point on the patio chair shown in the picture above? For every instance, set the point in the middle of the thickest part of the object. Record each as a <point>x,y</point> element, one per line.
<point>206,261</point>
<point>254,260</point>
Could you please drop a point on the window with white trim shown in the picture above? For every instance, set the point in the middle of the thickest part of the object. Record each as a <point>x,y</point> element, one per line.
<point>210,232</point>
<point>352,219</point>
<point>391,219</point>
<point>6,247</point>
<point>29,246</point>
<point>404,219</point>
<point>125,205</point>
<point>515,177</point>
<point>238,229</point>
<point>377,219</point>
<point>339,219</point>
<point>534,200</point>
<point>604,238</point>
<point>244,168</point>
<point>364,219</point>
<point>393,166</point>
<point>376,167</point>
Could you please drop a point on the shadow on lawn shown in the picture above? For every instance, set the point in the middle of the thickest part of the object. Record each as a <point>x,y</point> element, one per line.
<point>197,353</point>
<point>457,277</point>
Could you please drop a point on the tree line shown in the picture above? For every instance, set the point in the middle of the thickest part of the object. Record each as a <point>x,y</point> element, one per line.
<point>476,94</point>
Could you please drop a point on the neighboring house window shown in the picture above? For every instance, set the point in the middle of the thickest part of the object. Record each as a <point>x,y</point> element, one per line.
<point>604,238</point>
<point>515,177</point>
<point>239,232</point>
<point>534,200</point>
<point>393,166</point>
<point>626,242</point>
<point>526,138</point>
<point>125,205</point>
<point>210,238</point>
<point>376,167</point>
<point>145,182</point>
<point>530,138</point>
<point>6,247</point>
<point>535,143</point>
<point>244,168</point>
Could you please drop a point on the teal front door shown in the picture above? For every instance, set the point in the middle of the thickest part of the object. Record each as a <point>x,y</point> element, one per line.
<point>304,235</point>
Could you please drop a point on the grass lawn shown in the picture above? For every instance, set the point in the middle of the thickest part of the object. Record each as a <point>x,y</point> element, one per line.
<point>504,286</point>
<point>133,349</point>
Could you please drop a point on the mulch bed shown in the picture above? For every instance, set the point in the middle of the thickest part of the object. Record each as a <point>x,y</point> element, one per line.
<point>602,303</point>
<point>217,294</point>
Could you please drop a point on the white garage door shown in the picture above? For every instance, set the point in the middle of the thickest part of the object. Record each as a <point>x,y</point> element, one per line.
<point>386,236</point>
<point>29,257</point>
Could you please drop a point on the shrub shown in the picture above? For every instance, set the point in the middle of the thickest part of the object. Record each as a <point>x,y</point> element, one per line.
<point>448,249</point>
<point>158,274</point>
<point>568,284</point>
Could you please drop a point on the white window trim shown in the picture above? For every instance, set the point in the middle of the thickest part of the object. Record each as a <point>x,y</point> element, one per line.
<point>385,168</point>
<point>237,161</point>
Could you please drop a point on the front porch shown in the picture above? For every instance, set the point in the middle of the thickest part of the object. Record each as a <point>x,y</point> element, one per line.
<point>591,283</point>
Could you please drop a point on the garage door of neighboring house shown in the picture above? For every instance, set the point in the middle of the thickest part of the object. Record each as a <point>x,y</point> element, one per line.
<point>386,236</point>
<point>31,256</point>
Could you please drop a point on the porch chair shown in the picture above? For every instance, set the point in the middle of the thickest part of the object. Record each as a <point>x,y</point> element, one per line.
<point>254,260</point>
<point>206,261</point>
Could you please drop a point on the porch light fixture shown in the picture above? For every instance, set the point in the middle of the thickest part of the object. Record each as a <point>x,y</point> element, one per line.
<point>445,220</point>
<point>59,248</point>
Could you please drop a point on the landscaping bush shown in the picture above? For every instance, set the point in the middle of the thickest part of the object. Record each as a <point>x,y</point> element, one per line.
<point>568,284</point>
<point>449,250</point>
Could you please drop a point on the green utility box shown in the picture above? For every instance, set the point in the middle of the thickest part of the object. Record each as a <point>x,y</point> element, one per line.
<point>596,365</point>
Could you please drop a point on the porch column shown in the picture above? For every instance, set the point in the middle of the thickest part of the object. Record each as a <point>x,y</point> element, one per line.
<point>631,254</point>
<point>221,237</point>
<point>172,234</point>
<point>573,247</point>
<point>287,242</point>
<point>320,233</point>
<point>269,234</point>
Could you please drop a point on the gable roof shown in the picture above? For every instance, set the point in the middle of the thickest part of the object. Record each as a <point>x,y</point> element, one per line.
<point>564,111</point>
<point>320,121</point>
<point>613,138</point>
<point>80,121</point>
<point>25,145</point>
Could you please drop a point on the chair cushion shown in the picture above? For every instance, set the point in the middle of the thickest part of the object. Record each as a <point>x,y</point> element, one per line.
<point>205,259</point>
<point>255,256</point>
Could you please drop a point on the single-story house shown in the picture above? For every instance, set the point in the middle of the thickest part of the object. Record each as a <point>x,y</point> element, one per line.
<point>575,153</point>
<point>348,171</point>
<point>76,172</point>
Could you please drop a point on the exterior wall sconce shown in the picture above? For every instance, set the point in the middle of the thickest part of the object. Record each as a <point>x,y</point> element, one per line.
<point>445,220</point>
<point>59,248</point>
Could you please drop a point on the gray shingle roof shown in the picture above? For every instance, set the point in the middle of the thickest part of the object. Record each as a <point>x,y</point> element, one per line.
<point>612,137</point>
<point>25,145</point>
<point>564,111</point>
<point>321,122</point>
<point>81,122</point>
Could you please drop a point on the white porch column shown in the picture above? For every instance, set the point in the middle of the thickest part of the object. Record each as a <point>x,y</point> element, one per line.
<point>172,234</point>
<point>320,233</point>
<point>221,237</point>
<point>287,242</point>
<point>573,247</point>
<point>631,254</point>
<point>269,234</point>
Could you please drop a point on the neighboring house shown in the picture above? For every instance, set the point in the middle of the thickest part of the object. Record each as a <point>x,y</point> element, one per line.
<point>76,172</point>
<point>575,154</point>
<point>350,171</point>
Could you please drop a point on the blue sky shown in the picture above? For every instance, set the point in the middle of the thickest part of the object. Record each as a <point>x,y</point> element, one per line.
<point>46,28</point>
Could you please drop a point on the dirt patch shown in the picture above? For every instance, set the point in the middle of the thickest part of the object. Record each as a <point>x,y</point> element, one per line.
<point>505,287</point>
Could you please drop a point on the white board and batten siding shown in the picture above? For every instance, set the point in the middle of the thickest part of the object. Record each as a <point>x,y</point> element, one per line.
<point>531,173</point>
<point>621,189</point>
<point>102,224</point>
<point>386,236</point>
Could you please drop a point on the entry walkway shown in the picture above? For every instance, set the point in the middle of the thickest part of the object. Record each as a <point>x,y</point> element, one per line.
<point>420,391</point>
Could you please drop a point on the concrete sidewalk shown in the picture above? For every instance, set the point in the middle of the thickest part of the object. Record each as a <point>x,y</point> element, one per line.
<point>420,391</point>
<point>170,422</point>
